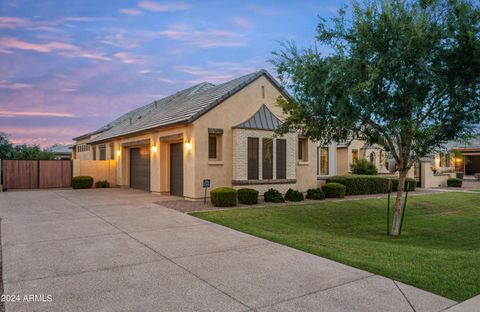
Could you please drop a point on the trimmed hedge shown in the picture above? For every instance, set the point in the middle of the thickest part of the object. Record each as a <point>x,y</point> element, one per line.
<point>412,184</point>
<point>454,182</point>
<point>293,195</point>
<point>273,196</point>
<point>223,197</point>
<point>334,190</point>
<point>363,166</point>
<point>102,184</point>
<point>316,194</point>
<point>459,175</point>
<point>367,184</point>
<point>82,182</point>
<point>247,196</point>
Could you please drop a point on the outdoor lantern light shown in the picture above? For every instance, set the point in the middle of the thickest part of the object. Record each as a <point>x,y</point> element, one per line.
<point>154,148</point>
<point>188,145</point>
<point>118,152</point>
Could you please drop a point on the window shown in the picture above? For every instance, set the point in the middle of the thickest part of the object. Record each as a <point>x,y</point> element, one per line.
<point>94,152</point>
<point>102,152</point>
<point>302,149</point>
<point>354,155</point>
<point>267,158</point>
<point>372,157</point>
<point>83,148</point>
<point>112,151</point>
<point>324,161</point>
<point>263,92</point>
<point>253,144</point>
<point>281,159</point>
<point>212,147</point>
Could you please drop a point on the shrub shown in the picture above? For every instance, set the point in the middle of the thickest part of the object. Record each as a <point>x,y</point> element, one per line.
<point>315,194</point>
<point>247,196</point>
<point>363,166</point>
<point>293,195</point>
<point>82,182</point>
<point>102,184</point>
<point>454,182</point>
<point>459,175</point>
<point>334,190</point>
<point>223,197</point>
<point>273,196</point>
<point>412,184</point>
<point>477,176</point>
<point>362,184</point>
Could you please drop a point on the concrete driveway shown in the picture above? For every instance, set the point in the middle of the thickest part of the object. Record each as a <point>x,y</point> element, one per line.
<point>113,250</point>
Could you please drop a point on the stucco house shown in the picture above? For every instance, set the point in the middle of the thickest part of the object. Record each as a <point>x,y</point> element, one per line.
<point>467,160</point>
<point>223,133</point>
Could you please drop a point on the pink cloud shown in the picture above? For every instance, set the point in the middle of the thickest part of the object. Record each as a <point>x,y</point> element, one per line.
<point>11,114</point>
<point>128,58</point>
<point>212,38</point>
<point>65,49</point>
<point>132,12</point>
<point>163,7</point>
<point>243,22</point>
<point>13,22</point>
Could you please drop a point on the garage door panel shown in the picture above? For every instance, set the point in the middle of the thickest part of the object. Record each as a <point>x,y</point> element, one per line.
<point>140,168</point>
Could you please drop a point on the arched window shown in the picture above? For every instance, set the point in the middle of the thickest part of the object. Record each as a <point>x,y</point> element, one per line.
<point>372,157</point>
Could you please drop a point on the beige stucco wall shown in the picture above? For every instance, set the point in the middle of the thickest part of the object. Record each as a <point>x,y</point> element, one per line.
<point>235,110</point>
<point>100,170</point>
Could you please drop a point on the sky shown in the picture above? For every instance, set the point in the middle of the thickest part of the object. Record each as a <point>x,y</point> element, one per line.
<point>69,67</point>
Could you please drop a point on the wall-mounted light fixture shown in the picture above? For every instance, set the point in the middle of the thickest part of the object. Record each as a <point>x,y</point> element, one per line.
<point>119,152</point>
<point>187,145</point>
<point>153,148</point>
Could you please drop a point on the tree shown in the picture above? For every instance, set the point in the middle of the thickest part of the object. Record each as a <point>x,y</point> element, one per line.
<point>363,166</point>
<point>401,74</point>
<point>6,147</point>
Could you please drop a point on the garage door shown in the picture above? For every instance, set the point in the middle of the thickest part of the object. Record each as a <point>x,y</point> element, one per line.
<point>176,169</point>
<point>472,165</point>
<point>140,168</point>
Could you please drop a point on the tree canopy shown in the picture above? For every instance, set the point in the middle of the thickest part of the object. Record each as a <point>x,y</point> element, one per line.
<point>22,151</point>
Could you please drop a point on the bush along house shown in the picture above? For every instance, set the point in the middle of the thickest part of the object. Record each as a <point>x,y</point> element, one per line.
<point>223,133</point>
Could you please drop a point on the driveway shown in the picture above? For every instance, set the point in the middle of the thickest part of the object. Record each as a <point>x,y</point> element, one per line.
<point>114,250</point>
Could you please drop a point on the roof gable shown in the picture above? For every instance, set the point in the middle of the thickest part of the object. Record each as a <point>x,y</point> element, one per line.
<point>182,107</point>
<point>263,119</point>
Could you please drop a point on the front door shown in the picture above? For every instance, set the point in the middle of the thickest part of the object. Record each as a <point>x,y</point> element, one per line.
<point>176,169</point>
<point>140,168</point>
<point>472,165</point>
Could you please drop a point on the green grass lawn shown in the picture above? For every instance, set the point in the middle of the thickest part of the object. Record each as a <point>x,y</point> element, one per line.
<point>439,249</point>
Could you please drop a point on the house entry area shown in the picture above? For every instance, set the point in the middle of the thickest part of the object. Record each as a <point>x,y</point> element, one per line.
<point>140,168</point>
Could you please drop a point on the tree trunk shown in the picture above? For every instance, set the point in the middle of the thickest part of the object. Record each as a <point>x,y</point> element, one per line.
<point>398,211</point>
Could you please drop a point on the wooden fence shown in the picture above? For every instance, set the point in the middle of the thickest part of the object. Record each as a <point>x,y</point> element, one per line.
<point>34,174</point>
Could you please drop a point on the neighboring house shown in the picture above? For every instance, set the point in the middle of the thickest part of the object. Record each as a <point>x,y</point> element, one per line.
<point>336,159</point>
<point>468,161</point>
<point>61,151</point>
<point>219,132</point>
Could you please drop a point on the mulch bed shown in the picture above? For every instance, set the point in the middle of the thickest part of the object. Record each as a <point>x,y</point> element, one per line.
<point>187,206</point>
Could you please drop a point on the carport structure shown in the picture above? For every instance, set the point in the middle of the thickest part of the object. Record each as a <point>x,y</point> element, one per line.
<point>113,250</point>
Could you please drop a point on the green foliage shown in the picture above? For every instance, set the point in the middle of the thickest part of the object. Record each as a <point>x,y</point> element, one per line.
<point>273,196</point>
<point>459,175</point>
<point>293,195</point>
<point>6,147</point>
<point>412,184</point>
<point>22,151</point>
<point>247,196</point>
<point>223,197</point>
<point>454,182</point>
<point>334,190</point>
<point>363,166</point>
<point>102,184</point>
<point>362,184</point>
<point>82,182</point>
<point>316,194</point>
<point>402,74</point>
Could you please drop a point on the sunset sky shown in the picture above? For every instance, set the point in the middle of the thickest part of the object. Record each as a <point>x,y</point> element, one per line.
<point>69,67</point>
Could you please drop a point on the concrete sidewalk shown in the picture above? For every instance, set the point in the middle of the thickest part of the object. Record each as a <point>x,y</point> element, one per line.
<point>114,250</point>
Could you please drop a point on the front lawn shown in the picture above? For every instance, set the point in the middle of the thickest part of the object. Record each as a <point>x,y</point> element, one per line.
<point>439,249</point>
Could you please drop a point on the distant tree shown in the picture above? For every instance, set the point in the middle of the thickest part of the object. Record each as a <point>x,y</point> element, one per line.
<point>363,166</point>
<point>6,147</point>
<point>403,74</point>
<point>31,152</point>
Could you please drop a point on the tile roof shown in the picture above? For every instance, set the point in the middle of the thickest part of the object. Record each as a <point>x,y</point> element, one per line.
<point>182,107</point>
<point>263,119</point>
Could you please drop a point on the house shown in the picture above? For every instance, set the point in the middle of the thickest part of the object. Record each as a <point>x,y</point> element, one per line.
<point>336,158</point>
<point>460,156</point>
<point>223,133</point>
<point>61,151</point>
